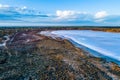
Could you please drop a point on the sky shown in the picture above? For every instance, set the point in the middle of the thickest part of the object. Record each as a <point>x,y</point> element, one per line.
<point>59,12</point>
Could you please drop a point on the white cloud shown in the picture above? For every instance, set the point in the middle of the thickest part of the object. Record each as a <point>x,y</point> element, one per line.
<point>6,9</point>
<point>10,13</point>
<point>65,14</point>
<point>100,14</point>
<point>24,7</point>
<point>3,6</point>
<point>68,14</point>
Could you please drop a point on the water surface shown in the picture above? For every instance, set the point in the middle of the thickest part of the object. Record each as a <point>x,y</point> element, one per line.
<point>105,43</point>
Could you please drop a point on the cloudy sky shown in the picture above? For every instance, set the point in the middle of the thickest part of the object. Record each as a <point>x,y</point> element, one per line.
<point>60,12</point>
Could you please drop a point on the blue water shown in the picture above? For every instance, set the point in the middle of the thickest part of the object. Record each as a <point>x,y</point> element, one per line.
<point>95,53</point>
<point>98,43</point>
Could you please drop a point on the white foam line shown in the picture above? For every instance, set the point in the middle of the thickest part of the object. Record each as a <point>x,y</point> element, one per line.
<point>86,36</point>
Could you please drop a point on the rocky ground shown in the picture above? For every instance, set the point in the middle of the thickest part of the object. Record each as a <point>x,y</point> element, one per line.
<point>30,56</point>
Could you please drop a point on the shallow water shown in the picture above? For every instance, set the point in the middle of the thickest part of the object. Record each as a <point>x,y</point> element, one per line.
<point>5,41</point>
<point>104,43</point>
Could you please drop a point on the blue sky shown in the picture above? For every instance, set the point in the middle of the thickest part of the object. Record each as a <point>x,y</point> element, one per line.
<point>60,12</point>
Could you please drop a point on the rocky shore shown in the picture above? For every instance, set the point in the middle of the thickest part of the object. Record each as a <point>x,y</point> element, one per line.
<point>30,56</point>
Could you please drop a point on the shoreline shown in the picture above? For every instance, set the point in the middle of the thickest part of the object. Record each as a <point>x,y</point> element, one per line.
<point>91,51</point>
<point>34,56</point>
<point>90,56</point>
<point>95,53</point>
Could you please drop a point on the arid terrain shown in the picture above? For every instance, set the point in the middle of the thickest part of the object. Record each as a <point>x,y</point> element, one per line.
<point>28,55</point>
